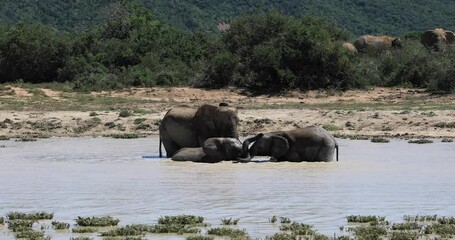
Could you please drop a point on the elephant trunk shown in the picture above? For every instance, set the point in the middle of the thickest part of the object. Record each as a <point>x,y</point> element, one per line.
<point>246,143</point>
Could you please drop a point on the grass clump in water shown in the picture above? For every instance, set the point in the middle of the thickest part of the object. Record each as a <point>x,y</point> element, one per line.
<point>4,138</point>
<point>26,139</point>
<point>282,236</point>
<point>370,232</point>
<point>444,230</point>
<point>298,229</point>
<point>81,238</point>
<point>2,220</point>
<point>128,230</point>
<point>20,225</point>
<point>30,216</point>
<point>273,219</point>
<point>447,140</point>
<point>123,238</point>
<point>229,221</point>
<point>174,228</point>
<point>181,220</point>
<point>364,219</point>
<point>421,141</point>
<point>35,235</point>
<point>404,235</point>
<point>285,220</point>
<point>200,237</point>
<point>446,220</point>
<point>123,136</point>
<point>84,230</point>
<point>97,221</point>
<point>60,225</point>
<point>229,232</point>
<point>420,218</point>
<point>405,226</point>
<point>379,140</point>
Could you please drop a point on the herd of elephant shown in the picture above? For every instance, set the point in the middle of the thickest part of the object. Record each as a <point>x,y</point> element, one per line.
<point>434,40</point>
<point>209,134</point>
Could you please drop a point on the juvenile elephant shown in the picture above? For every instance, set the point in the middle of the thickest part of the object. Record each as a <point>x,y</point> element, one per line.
<point>189,127</point>
<point>216,150</point>
<point>365,42</point>
<point>437,39</point>
<point>311,144</point>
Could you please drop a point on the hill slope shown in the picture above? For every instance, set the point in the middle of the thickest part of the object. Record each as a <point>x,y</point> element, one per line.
<point>357,16</point>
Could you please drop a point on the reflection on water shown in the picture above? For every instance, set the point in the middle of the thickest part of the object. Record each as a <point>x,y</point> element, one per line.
<point>101,176</point>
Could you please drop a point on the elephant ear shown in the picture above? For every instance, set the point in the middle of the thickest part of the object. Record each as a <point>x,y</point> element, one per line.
<point>279,146</point>
<point>450,37</point>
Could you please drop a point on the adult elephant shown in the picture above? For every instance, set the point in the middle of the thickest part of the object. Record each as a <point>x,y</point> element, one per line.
<point>311,144</point>
<point>215,150</point>
<point>437,39</point>
<point>189,127</point>
<point>365,42</point>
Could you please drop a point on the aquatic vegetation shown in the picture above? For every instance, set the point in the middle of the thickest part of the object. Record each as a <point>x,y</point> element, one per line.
<point>200,237</point>
<point>181,220</point>
<point>406,226</point>
<point>404,235</point>
<point>2,220</point>
<point>420,218</point>
<point>229,221</point>
<point>446,220</point>
<point>97,221</point>
<point>123,238</point>
<point>174,228</point>
<point>31,235</point>
<point>370,232</point>
<point>123,135</point>
<point>129,230</point>
<point>273,219</point>
<point>20,225</point>
<point>4,138</point>
<point>447,140</point>
<point>60,225</point>
<point>29,216</point>
<point>282,236</point>
<point>26,139</point>
<point>81,238</point>
<point>364,219</point>
<point>444,230</point>
<point>229,232</point>
<point>298,229</point>
<point>379,140</point>
<point>285,220</point>
<point>420,141</point>
<point>84,230</point>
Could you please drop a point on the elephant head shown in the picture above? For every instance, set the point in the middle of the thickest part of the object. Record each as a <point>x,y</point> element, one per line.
<point>267,145</point>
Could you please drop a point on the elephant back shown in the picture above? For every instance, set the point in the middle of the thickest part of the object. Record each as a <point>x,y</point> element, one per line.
<point>215,121</point>
<point>178,125</point>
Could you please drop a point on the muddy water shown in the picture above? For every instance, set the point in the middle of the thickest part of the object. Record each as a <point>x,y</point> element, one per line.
<point>101,176</point>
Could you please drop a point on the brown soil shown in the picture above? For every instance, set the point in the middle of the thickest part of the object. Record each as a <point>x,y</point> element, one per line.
<point>378,112</point>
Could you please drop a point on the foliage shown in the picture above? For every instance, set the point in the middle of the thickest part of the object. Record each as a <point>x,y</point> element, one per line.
<point>97,221</point>
<point>29,216</point>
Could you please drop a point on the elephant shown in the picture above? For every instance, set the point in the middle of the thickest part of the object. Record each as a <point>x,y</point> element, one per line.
<point>215,150</point>
<point>349,47</point>
<point>184,126</point>
<point>365,42</point>
<point>437,39</point>
<point>311,144</point>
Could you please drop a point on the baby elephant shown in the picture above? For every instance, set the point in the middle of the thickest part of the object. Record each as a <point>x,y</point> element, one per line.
<point>216,149</point>
<point>311,144</point>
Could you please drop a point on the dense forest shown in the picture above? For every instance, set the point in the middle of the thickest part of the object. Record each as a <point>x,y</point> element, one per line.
<point>356,16</point>
<point>261,52</point>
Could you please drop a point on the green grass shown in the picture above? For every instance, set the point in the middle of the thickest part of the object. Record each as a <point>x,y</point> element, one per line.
<point>229,221</point>
<point>298,229</point>
<point>404,235</point>
<point>129,230</point>
<point>60,225</point>
<point>84,230</point>
<point>420,141</point>
<point>181,220</point>
<point>20,225</point>
<point>331,127</point>
<point>29,216</point>
<point>370,232</point>
<point>364,219</point>
<point>200,237</point>
<point>31,235</point>
<point>228,232</point>
<point>2,220</point>
<point>379,140</point>
<point>124,135</point>
<point>97,221</point>
<point>406,226</point>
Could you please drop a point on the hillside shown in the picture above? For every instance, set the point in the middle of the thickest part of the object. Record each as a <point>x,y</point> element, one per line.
<point>356,16</point>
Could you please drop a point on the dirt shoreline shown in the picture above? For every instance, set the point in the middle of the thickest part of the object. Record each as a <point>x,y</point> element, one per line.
<point>408,113</point>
